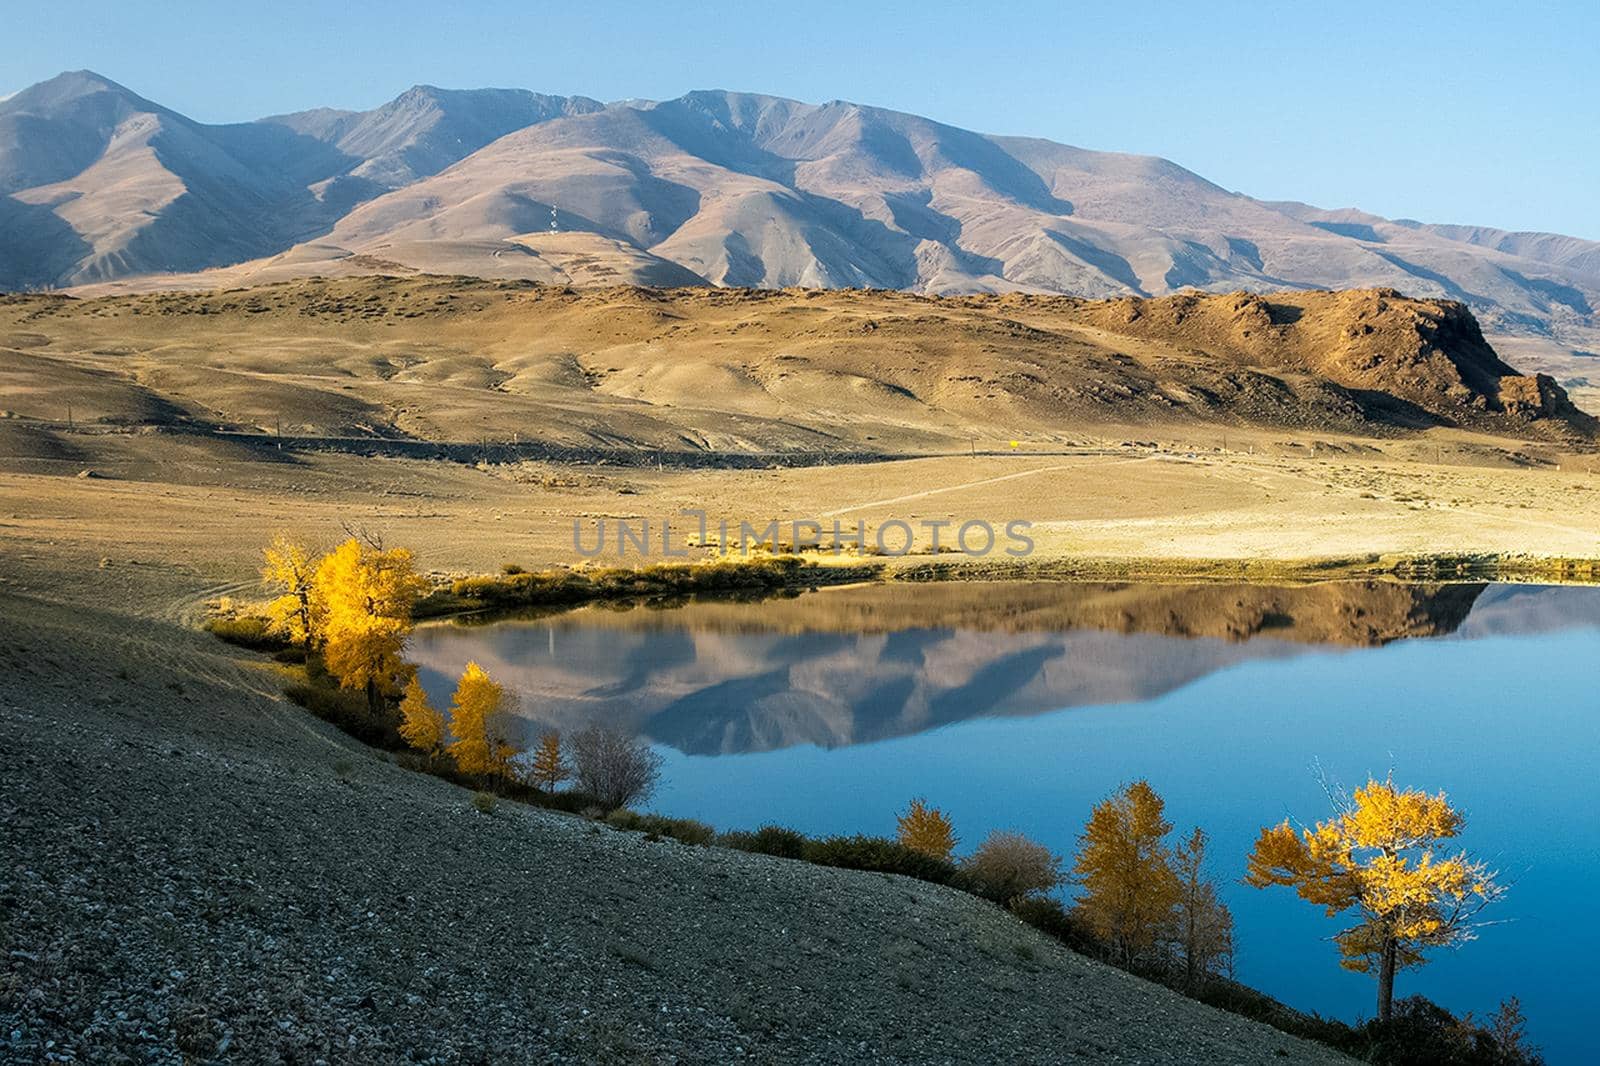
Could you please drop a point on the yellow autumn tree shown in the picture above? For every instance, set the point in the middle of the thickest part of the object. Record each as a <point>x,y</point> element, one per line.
<point>926,829</point>
<point>1124,868</point>
<point>290,569</point>
<point>549,765</point>
<point>421,723</point>
<point>480,724</point>
<point>360,610</point>
<point>1379,859</point>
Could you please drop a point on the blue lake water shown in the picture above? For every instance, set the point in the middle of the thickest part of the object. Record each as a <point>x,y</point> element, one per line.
<point>1020,706</point>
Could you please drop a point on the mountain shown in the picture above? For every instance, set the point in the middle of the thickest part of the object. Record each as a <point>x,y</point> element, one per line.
<point>425,129</point>
<point>715,187</point>
<point>100,183</point>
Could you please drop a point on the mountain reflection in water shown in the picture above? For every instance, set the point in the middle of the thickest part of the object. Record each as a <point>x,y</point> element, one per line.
<point>851,665</point>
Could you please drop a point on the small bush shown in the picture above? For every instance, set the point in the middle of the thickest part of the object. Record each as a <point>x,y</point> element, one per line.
<point>1422,1033</point>
<point>519,588</point>
<point>484,802</point>
<point>1008,866</point>
<point>768,840</point>
<point>736,839</point>
<point>685,830</point>
<point>881,855</point>
<point>1050,917</point>
<point>413,760</point>
<point>624,819</point>
<point>328,703</point>
<point>689,831</point>
<point>928,830</point>
<point>346,710</point>
<point>247,631</point>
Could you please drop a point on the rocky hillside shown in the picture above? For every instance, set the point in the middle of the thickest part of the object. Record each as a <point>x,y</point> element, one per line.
<point>1430,355</point>
<point>715,187</point>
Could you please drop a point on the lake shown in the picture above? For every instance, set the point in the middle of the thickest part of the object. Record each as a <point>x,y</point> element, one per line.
<point>1019,706</point>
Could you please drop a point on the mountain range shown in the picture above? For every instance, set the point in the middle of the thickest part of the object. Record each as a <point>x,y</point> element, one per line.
<point>100,185</point>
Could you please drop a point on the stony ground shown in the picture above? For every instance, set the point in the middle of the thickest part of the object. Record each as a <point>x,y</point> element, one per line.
<point>196,871</point>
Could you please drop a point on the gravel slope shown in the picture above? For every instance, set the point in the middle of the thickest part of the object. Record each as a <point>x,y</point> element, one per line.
<point>195,871</point>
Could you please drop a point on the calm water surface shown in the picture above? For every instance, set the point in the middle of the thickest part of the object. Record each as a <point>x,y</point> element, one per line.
<point>1020,706</point>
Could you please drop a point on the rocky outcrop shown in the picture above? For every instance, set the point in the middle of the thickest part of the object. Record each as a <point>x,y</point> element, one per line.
<point>1534,396</point>
<point>1429,355</point>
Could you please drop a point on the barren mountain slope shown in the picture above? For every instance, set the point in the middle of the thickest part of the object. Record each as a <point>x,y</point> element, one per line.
<point>97,182</point>
<point>425,128</point>
<point>761,191</point>
<point>101,183</point>
<point>704,369</point>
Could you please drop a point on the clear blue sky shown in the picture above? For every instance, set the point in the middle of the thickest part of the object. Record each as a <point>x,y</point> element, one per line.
<point>1467,112</point>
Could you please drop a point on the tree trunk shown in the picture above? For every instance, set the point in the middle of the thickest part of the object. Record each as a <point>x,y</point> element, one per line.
<point>1391,949</point>
<point>1189,940</point>
<point>374,700</point>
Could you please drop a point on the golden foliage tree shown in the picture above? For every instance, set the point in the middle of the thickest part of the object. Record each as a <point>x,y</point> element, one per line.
<point>421,723</point>
<point>360,609</point>
<point>549,765</point>
<point>480,724</point>
<point>290,569</point>
<point>1203,925</point>
<point>1129,888</point>
<point>1379,858</point>
<point>926,829</point>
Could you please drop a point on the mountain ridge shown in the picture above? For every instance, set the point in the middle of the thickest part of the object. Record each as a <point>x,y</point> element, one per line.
<point>727,188</point>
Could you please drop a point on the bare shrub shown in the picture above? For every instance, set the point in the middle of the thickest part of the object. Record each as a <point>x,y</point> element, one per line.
<point>614,768</point>
<point>1008,865</point>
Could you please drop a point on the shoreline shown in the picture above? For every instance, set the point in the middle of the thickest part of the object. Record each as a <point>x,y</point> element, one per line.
<point>560,589</point>
<point>1508,568</point>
